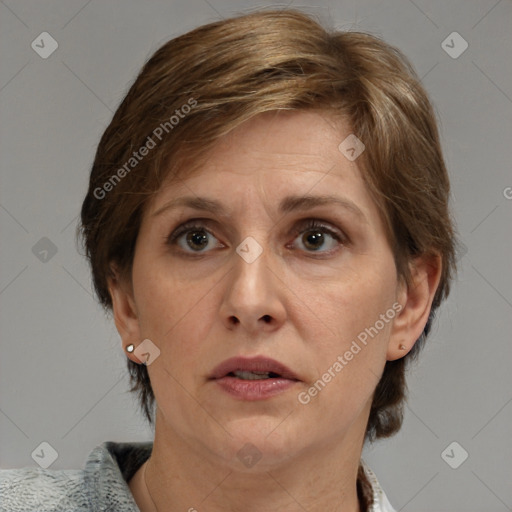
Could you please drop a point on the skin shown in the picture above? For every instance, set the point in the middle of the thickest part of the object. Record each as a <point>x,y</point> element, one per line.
<point>299,303</point>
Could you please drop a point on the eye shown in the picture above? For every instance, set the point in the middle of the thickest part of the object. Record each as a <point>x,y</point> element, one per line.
<point>315,236</point>
<point>193,239</point>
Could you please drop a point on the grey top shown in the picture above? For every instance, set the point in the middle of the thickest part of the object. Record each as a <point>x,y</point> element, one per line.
<point>101,486</point>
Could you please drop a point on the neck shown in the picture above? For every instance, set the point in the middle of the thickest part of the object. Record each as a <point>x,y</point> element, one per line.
<point>178,478</point>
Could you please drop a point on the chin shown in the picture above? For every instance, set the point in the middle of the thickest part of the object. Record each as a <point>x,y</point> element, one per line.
<point>256,444</point>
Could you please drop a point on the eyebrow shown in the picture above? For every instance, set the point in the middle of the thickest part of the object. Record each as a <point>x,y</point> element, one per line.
<point>194,202</point>
<point>302,203</point>
<point>288,204</point>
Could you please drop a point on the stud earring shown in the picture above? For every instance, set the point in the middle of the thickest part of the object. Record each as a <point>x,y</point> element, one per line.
<point>130,348</point>
<point>402,347</point>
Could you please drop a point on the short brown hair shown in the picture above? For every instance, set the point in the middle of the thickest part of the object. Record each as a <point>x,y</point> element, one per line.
<point>232,70</point>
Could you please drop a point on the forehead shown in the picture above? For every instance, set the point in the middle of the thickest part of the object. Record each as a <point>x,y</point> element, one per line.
<point>270,166</point>
<point>271,156</point>
<point>284,139</point>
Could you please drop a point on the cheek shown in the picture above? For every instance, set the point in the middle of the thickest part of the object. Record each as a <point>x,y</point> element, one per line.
<point>340,308</point>
<point>350,355</point>
<point>346,337</point>
<point>175,314</point>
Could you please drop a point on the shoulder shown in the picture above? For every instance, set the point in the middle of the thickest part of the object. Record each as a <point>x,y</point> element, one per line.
<point>100,485</point>
<point>36,489</point>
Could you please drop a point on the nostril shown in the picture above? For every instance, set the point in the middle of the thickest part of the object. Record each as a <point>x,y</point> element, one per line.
<point>234,320</point>
<point>267,318</point>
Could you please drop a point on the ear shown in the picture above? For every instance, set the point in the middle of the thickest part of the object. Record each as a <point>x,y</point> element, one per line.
<point>125,311</point>
<point>416,301</point>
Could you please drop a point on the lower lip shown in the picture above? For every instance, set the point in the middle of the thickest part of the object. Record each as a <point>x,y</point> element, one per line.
<point>254,389</point>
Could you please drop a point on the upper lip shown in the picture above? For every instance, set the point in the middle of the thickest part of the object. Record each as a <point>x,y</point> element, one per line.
<point>252,364</point>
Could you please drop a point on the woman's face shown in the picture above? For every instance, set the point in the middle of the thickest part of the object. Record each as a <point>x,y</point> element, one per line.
<point>273,249</point>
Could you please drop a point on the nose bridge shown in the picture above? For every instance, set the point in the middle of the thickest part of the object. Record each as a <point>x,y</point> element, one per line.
<point>251,268</point>
<point>253,296</point>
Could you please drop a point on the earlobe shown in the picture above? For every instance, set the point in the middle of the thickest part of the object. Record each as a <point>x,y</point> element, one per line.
<point>416,299</point>
<point>124,311</point>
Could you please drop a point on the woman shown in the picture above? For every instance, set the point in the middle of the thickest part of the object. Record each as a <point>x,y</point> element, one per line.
<point>267,218</point>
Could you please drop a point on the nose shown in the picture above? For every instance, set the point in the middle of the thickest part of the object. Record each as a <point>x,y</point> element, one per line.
<point>253,298</point>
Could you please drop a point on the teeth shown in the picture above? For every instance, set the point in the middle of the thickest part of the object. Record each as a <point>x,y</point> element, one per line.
<point>251,375</point>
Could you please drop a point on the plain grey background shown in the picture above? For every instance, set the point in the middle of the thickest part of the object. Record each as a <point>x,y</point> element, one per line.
<point>62,370</point>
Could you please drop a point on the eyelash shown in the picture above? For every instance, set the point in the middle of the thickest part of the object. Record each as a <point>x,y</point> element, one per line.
<point>303,227</point>
<point>313,224</point>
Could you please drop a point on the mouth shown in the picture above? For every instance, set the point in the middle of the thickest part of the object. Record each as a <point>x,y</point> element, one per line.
<point>252,379</point>
<point>255,368</point>
<point>245,375</point>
